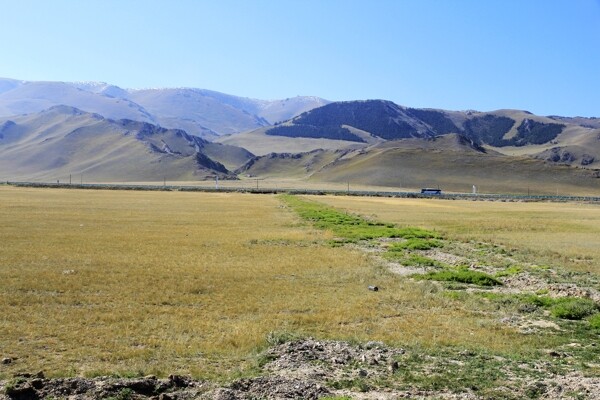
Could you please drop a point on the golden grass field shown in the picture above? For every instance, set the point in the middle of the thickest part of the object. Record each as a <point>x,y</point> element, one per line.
<point>131,282</point>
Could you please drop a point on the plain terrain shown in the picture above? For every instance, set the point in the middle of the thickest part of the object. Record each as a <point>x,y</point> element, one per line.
<point>135,283</point>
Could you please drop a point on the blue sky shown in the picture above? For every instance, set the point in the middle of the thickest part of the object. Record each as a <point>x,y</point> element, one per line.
<point>538,55</point>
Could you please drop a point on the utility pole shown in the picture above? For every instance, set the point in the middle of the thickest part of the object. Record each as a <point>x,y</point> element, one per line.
<point>69,179</point>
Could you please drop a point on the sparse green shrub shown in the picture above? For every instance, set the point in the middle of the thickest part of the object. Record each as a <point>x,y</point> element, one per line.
<point>510,271</point>
<point>595,321</point>
<point>419,260</point>
<point>265,358</point>
<point>412,232</point>
<point>9,388</point>
<point>456,290</point>
<point>463,276</point>
<point>415,244</point>
<point>538,301</point>
<point>11,385</point>
<point>574,308</point>
<point>279,337</point>
<point>535,390</point>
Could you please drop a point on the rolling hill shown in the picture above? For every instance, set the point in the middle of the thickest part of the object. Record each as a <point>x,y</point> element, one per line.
<point>452,162</point>
<point>63,141</point>
<point>356,124</point>
<point>199,112</point>
<point>155,134</point>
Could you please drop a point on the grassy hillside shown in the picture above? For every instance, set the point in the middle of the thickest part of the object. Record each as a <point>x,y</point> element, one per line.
<point>63,142</point>
<point>286,165</point>
<point>553,139</point>
<point>232,157</point>
<point>450,162</point>
<point>576,146</point>
<point>459,171</point>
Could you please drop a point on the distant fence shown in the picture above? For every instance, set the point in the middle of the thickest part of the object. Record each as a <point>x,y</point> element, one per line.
<point>367,193</point>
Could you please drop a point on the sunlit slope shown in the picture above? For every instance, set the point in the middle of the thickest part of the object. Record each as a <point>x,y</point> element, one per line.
<point>281,110</point>
<point>575,146</point>
<point>198,108</point>
<point>287,165</point>
<point>259,143</point>
<point>64,141</point>
<point>199,112</point>
<point>232,157</point>
<point>21,97</point>
<point>449,162</point>
<point>457,171</point>
<point>571,141</point>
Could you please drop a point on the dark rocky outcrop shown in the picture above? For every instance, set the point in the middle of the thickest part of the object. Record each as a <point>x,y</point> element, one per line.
<point>587,159</point>
<point>560,155</point>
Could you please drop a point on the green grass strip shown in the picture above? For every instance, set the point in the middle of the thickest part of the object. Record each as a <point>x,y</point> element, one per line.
<point>350,227</point>
<point>462,276</point>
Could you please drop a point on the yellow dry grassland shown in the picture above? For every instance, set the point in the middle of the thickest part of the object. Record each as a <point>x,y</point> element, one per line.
<point>563,234</point>
<point>134,283</point>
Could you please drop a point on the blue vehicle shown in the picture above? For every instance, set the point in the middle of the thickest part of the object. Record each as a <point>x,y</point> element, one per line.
<point>431,191</point>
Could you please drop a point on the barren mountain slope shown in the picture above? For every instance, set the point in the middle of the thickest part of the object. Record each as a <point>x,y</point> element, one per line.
<point>63,141</point>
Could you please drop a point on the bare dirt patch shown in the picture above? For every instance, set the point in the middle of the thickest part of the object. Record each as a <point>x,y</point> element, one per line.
<point>312,369</point>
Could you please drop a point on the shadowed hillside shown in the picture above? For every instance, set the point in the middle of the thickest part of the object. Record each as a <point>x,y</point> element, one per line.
<point>354,124</point>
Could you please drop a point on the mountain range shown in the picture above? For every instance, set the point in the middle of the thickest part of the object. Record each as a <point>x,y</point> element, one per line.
<point>199,112</point>
<point>63,140</point>
<point>56,129</point>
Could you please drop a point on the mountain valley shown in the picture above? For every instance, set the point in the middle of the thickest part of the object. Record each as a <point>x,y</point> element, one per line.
<point>53,131</point>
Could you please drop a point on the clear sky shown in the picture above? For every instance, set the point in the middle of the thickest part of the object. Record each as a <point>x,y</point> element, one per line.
<point>538,55</point>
